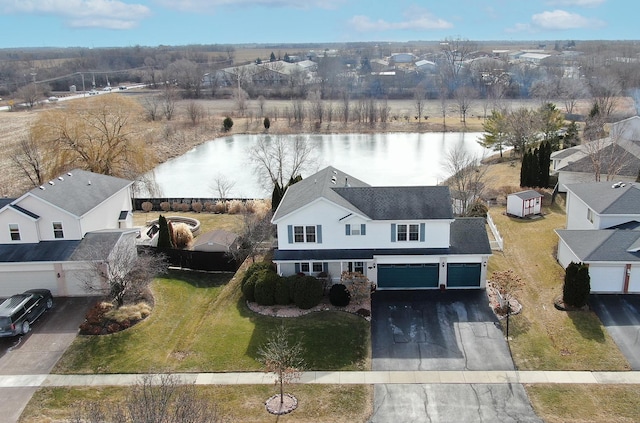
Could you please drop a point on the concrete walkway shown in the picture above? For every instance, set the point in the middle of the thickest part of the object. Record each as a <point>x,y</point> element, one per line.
<point>332,378</point>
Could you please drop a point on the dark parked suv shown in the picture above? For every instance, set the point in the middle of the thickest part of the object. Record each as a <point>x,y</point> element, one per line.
<point>18,312</point>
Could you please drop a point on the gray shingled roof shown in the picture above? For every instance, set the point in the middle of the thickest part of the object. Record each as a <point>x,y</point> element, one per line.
<point>400,203</point>
<point>52,251</point>
<point>602,245</point>
<point>315,186</point>
<point>79,191</point>
<point>603,199</point>
<point>527,195</point>
<point>585,164</point>
<point>377,203</point>
<point>469,236</point>
<point>97,245</point>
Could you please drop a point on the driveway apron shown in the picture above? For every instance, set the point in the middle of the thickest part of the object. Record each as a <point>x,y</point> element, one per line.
<point>434,330</point>
<point>620,314</point>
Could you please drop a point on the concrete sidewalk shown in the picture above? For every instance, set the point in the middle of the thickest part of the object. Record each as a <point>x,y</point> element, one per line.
<point>336,378</point>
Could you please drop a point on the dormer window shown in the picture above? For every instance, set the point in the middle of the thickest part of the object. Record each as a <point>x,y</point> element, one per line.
<point>14,231</point>
<point>57,230</point>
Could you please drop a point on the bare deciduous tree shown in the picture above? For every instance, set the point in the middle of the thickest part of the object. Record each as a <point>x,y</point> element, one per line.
<point>256,232</point>
<point>30,94</point>
<point>465,177</point>
<point>222,186</point>
<point>118,270</point>
<point>154,399</point>
<point>29,159</point>
<point>169,98</point>
<point>277,160</point>
<point>464,96</point>
<point>282,357</point>
<point>195,111</point>
<point>151,105</point>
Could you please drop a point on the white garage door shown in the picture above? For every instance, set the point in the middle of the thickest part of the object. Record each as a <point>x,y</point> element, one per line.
<point>607,279</point>
<point>634,279</point>
<point>17,282</point>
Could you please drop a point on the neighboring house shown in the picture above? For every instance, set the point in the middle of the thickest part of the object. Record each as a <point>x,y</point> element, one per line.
<point>524,203</point>
<point>215,241</point>
<point>45,232</point>
<point>603,231</point>
<point>618,157</point>
<point>399,237</point>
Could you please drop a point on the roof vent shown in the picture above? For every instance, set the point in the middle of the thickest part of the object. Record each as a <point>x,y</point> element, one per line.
<point>42,187</point>
<point>69,174</point>
<point>618,185</point>
<point>60,178</point>
<point>333,179</point>
<point>51,183</point>
<point>89,182</point>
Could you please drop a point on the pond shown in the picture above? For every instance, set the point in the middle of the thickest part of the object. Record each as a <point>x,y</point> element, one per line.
<point>378,159</point>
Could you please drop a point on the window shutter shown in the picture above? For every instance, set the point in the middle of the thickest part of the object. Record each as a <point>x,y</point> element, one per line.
<point>422,230</point>
<point>325,267</point>
<point>290,233</point>
<point>347,229</point>
<point>297,267</point>
<point>319,234</point>
<point>363,229</point>
<point>393,232</point>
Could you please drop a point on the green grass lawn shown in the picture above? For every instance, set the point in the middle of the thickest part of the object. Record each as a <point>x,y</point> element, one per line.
<point>239,403</point>
<point>200,323</point>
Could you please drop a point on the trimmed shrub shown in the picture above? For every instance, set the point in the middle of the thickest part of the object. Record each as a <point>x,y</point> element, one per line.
<point>307,292</point>
<point>283,293</point>
<point>196,206</point>
<point>220,206</point>
<point>265,287</point>
<point>235,207</point>
<point>185,207</point>
<point>248,289</point>
<point>339,295</point>
<point>209,206</point>
<point>182,235</point>
<point>175,206</point>
<point>165,206</point>
<point>256,267</point>
<point>266,122</point>
<point>147,206</point>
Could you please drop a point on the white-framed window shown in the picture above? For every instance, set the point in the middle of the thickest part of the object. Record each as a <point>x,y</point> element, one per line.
<point>14,231</point>
<point>57,230</point>
<point>355,230</point>
<point>356,266</point>
<point>304,233</point>
<point>410,232</point>
<point>317,267</point>
<point>304,267</point>
<point>314,267</point>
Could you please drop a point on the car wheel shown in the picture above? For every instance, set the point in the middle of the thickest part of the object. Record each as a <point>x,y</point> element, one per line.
<point>49,303</point>
<point>25,327</point>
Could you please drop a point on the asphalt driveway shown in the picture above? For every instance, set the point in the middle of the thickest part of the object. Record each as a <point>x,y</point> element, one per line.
<point>620,314</point>
<point>433,330</point>
<point>39,350</point>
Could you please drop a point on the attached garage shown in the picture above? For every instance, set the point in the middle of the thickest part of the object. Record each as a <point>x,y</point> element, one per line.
<point>463,275</point>
<point>408,276</point>
<point>607,279</point>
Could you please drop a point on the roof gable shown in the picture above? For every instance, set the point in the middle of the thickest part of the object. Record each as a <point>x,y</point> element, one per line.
<point>318,185</point>
<point>603,245</point>
<point>79,191</point>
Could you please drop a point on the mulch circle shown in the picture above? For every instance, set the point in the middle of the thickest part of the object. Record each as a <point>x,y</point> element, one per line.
<point>288,404</point>
<point>559,304</point>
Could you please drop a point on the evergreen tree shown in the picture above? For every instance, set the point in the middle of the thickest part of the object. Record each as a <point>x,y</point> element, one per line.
<point>577,285</point>
<point>267,123</point>
<point>524,170</point>
<point>544,161</point>
<point>272,58</point>
<point>571,136</point>
<point>164,237</point>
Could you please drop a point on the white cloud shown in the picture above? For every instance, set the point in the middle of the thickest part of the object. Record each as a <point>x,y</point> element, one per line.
<point>211,5</point>
<point>581,3</point>
<point>110,14</point>
<point>415,19</point>
<point>561,19</point>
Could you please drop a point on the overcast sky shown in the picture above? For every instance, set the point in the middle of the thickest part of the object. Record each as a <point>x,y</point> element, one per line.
<point>106,23</point>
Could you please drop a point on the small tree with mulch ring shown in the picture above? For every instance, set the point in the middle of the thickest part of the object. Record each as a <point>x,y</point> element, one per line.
<point>285,359</point>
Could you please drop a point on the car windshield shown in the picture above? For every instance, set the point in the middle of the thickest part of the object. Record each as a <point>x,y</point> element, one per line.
<point>4,321</point>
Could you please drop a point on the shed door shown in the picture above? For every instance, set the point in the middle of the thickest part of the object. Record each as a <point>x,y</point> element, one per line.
<point>408,276</point>
<point>463,275</point>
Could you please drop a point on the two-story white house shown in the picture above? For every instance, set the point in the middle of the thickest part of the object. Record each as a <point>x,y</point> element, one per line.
<point>402,237</point>
<point>46,234</point>
<point>603,231</point>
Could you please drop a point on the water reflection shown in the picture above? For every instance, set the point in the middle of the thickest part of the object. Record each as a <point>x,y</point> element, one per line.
<point>378,159</point>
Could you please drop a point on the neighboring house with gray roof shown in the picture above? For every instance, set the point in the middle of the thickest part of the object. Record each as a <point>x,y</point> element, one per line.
<point>403,237</point>
<point>45,233</point>
<point>617,156</point>
<point>603,232</point>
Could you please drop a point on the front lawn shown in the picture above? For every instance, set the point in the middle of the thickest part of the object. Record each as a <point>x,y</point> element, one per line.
<point>200,323</point>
